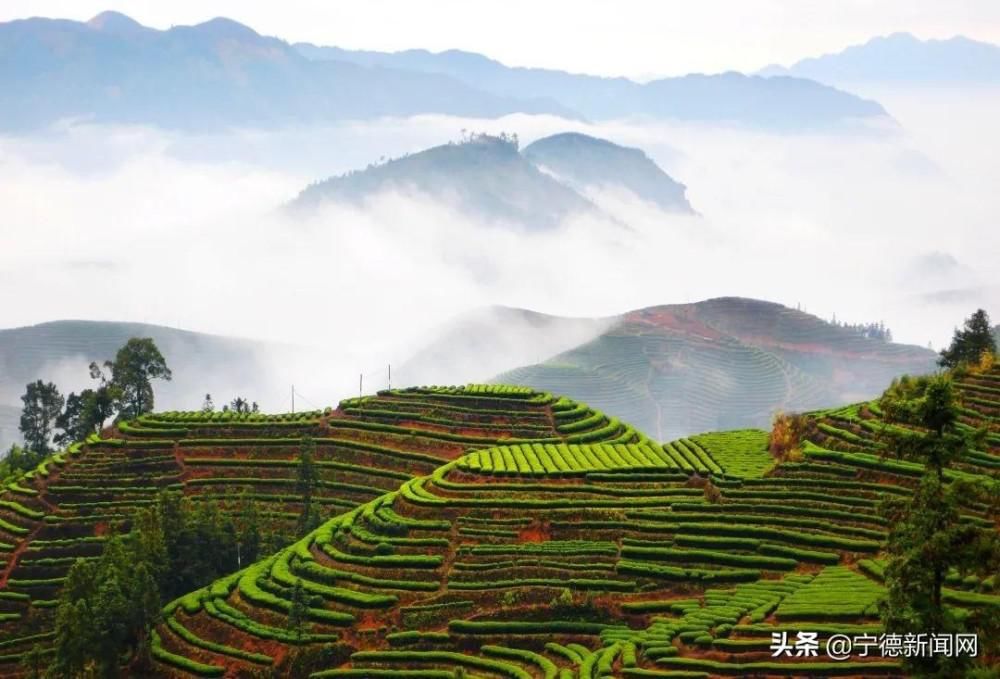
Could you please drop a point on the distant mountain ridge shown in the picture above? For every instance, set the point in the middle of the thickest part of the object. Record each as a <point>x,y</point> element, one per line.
<point>782,102</point>
<point>221,74</point>
<point>902,58</point>
<point>486,176</point>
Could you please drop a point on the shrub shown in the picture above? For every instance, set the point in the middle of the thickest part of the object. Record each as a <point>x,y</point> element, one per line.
<point>787,435</point>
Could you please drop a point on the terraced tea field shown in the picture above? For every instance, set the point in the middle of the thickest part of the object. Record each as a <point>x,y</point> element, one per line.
<point>854,432</point>
<point>500,532</point>
<point>66,508</point>
<point>577,559</point>
<point>720,364</point>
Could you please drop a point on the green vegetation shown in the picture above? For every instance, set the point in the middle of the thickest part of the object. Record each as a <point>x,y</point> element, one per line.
<point>927,536</point>
<point>42,404</point>
<point>970,344</point>
<point>740,453</point>
<point>490,531</point>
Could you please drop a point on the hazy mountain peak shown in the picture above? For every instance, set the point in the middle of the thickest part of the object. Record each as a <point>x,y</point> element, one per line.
<point>482,175</point>
<point>110,21</point>
<point>583,162</point>
<point>902,57</point>
<point>221,27</point>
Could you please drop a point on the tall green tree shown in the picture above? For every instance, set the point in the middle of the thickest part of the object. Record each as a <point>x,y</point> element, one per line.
<point>249,536</point>
<point>34,662</point>
<point>970,342</point>
<point>927,536</point>
<point>298,611</point>
<point>105,611</point>
<point>136,365</point>
<point>85,414</point>
<point>42,405</point>
<point>307,478</point>
<point>242,405</point>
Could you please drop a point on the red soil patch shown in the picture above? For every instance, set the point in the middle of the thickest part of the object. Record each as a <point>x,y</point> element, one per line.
<point>537,531</point>
<point>679,320</point>
<point>369,621</point>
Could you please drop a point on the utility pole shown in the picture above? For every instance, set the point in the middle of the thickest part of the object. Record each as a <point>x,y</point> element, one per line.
<point>389,381</point>
<point>293,398</point>
<point>361,381</point>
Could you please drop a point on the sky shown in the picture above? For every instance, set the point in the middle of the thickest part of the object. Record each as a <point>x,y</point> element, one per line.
<point>635,38</point>
<point>805,218</point>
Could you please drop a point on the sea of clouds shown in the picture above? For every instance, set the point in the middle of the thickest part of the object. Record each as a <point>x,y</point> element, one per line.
<point>894,222</point>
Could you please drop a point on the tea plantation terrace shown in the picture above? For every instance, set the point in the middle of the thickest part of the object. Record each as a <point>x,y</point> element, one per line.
<point>65,509</point>
<point>563,559</point>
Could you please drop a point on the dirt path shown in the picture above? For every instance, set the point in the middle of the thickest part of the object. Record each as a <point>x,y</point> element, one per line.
<point>22,545</point>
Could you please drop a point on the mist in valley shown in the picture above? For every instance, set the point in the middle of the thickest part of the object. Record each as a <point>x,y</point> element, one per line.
<point>892,222</point>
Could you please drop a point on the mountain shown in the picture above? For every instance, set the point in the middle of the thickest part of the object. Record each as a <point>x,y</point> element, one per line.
<point>488,341</point>
<point>215,74</point>
<point>584,162</point>
<point>902,58</point>
<point>677,370</point>
<point>486,176</point>
<point>483,176</point>
<point>769,102</point>
<point>10,419</point>
<point>60,351</point>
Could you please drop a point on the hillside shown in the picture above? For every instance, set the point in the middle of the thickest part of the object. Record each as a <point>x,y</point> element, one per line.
<point>904,59</point>
<point>67,507</point>
<point>582,560</point>
<point>9,420</point>
<point>60,351</point>
<point>485,177</point>
<point>216,74</point>
<point>726,363</point>
<point>584,162</point>
<point>777,103</point>
<point>488,341</point>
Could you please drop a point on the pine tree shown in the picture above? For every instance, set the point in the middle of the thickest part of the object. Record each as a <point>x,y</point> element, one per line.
<point>927,537</point>
<point>307,477</point>
<point>299,610</point>
<point>970,343</point>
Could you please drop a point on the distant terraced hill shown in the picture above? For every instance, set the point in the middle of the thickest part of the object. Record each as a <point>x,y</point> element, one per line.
<point>585,560</point>
<point>724,363</point>
<point>66,508</point>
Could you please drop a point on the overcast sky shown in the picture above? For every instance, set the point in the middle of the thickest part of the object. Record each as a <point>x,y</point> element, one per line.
<point>638,38</point>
